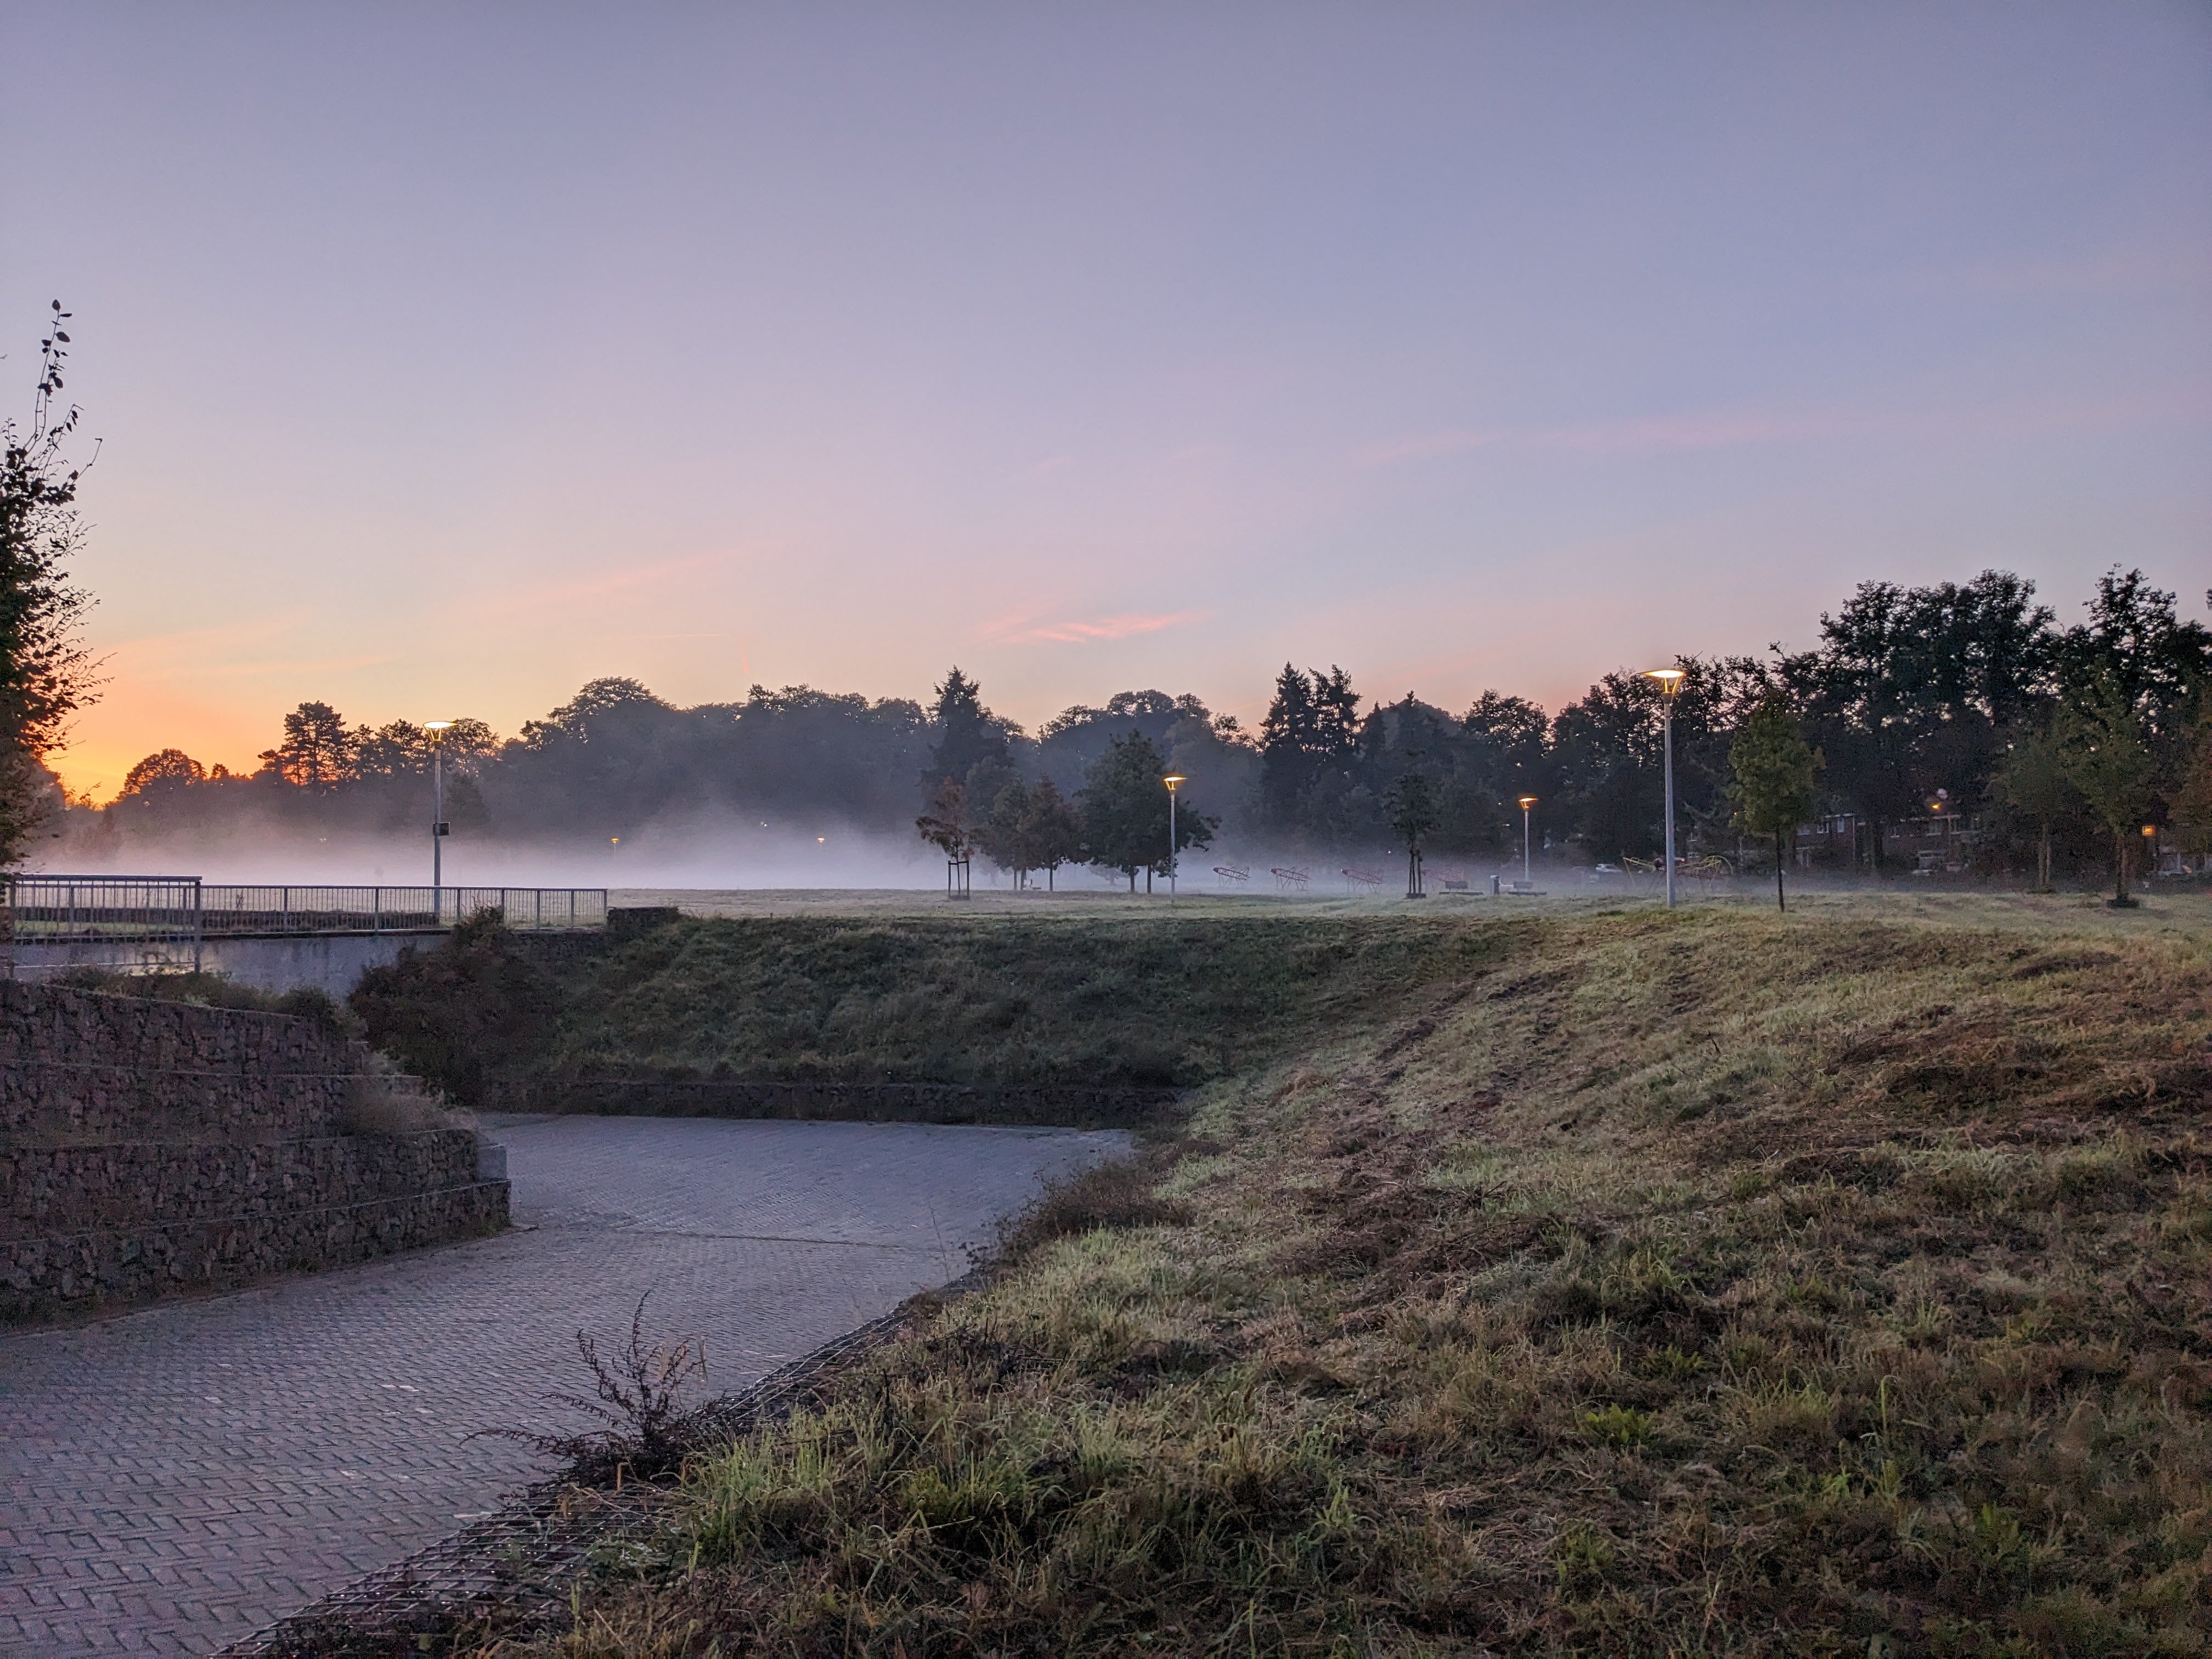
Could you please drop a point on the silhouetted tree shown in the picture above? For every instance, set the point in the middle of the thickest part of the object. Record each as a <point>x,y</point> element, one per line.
<point>169,769</point>
<point>317,753</point>
<point>1914,688</point>
<point>968,735</point>
<point>45,673</point>
<point>1308,744</point>
<point>2136,646</point>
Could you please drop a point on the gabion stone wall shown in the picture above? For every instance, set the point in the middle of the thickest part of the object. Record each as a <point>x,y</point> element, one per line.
<point>150,1148</point>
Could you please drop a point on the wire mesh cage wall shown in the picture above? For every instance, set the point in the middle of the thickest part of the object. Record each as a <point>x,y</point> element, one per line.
<point>62,908</point>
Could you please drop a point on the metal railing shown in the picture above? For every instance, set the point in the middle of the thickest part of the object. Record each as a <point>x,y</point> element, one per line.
<point>102,908</point>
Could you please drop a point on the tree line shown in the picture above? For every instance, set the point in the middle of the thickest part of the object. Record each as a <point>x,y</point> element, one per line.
<point>2057,742</point>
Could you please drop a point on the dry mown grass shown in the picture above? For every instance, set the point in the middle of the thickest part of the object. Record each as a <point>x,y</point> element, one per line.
<point>1695,1284</point>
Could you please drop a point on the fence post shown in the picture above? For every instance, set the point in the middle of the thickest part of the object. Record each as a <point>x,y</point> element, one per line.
<point>198,925</point>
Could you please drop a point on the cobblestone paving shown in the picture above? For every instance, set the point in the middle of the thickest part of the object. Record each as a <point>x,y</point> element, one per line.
<point>171,1479</point>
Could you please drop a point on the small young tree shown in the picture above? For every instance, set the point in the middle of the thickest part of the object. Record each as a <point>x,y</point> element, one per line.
<point>1413,805</point>
<point>2191,806</point>
<point>947,827</point>
<point>2110,761</point>
<point>45,673</point>
<point>1775,770</point>
<point>1051,831</point>
<point>2034,778</point>
<point>999,835</point>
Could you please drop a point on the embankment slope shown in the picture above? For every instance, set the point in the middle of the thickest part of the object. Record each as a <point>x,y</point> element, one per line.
<point>1712,1283</point>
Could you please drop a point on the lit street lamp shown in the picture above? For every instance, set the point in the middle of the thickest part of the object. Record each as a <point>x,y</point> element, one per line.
<point>438,729</point>
<point>1174,782</point>
<point>1670,682</point>
<point>1527,879</point>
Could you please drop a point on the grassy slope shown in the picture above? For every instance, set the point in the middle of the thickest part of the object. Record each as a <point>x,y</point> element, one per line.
<point>1710,1284</point>
<point>1027,999</point>
<point>1024,1000</point>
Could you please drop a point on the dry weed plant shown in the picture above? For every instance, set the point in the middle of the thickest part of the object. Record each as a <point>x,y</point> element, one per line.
<point>1704,1284</point>
<point>385,1101</point>
<point>638,1399</point>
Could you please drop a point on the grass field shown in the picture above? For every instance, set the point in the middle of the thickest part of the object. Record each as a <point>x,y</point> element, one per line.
<point>1580,1281</point>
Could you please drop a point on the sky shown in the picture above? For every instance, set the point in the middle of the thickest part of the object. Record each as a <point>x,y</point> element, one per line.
<point>443,358</point>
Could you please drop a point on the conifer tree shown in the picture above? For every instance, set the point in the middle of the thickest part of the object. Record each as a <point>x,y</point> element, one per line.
<point>967,734</point>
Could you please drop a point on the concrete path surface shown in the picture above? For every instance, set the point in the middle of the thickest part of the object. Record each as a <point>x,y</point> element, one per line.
<point>174,1478</point>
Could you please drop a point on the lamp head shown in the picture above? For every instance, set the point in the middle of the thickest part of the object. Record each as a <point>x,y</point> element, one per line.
<point>2150,831</point>
<point>1173,781</point>
<point>1528,801</point>
<point>437,726</point>
<point>1670,679</point>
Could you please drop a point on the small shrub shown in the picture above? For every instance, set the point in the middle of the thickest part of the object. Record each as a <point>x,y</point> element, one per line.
<point>208,990</point>
<point>1620,1427</point>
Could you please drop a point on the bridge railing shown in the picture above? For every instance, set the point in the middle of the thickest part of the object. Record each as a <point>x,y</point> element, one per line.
<point>63,908</point>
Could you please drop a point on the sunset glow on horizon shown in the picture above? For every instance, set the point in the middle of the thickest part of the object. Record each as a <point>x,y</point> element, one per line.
<point>444,361</point>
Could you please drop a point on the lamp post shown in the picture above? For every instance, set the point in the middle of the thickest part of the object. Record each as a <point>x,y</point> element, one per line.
<point>1670,682</point>
<point>1527,879</point>
<point>438,729</point>
<point>1174,782</point>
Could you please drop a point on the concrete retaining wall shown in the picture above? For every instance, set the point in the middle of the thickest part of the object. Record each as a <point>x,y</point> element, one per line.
<point>326,962</point>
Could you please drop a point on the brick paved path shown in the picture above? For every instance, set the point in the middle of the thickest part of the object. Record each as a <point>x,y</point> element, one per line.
<point>174,1478</point>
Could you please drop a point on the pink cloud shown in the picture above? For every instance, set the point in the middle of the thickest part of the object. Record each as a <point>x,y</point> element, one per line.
<point>1669,431</point>
<point>1118,626</point>
<point>1427,445</point>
